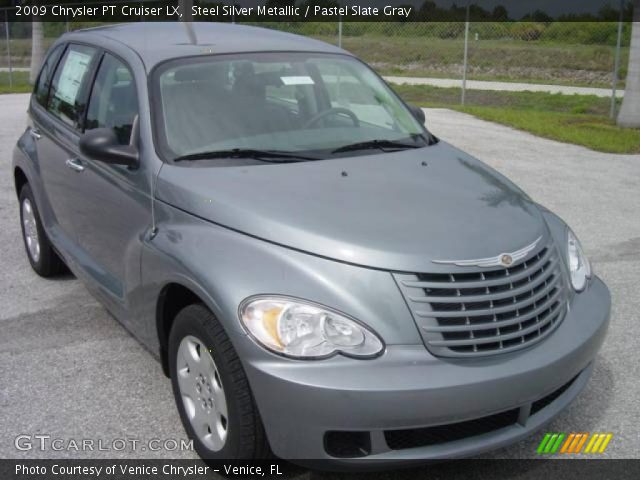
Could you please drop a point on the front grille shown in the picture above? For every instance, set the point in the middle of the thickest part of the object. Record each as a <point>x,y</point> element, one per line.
<point>441,434</point>
<point>355,444</point>
<point>487,311</point>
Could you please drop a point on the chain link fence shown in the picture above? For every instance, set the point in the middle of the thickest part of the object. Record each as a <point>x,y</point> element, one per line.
<point>570,53</point>
<point>458,54</point>
<point>450,54</point>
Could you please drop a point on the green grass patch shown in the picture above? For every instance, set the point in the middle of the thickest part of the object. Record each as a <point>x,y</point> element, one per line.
<point>540,101</point>
<point>504,60</point>
<point>592,131</point>
<point>20,83</point>
<point>578,119</point>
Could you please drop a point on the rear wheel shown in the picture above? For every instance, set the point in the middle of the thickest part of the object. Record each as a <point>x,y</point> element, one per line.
<point>211,389</point>
<point>42,257</point>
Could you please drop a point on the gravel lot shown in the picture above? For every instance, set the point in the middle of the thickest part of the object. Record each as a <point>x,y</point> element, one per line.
<point>69,370</point>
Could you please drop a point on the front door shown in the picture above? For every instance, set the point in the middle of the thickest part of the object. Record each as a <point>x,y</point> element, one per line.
<point>115,212</point>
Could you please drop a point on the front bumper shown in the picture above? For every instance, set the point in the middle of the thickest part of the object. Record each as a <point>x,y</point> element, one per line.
<point>408,388</point>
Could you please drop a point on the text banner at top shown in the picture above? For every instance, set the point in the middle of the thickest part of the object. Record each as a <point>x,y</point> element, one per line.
<point>317,10</point>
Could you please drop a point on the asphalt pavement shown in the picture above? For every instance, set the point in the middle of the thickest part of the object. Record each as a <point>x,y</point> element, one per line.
<point>68,370</point>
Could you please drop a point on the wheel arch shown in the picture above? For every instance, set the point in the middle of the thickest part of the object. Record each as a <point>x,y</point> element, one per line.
<point>173,297</point>
<point>19,179</point>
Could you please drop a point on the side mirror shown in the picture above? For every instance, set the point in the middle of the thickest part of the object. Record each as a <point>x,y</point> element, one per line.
<point>418,113</point>
<point>102,144</point>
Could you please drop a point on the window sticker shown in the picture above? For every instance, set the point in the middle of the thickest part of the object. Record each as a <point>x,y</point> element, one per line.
<point>75,66</point>
<point>300,80</point>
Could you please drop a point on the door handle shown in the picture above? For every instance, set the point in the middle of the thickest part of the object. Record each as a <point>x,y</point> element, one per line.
<point>35,133</point>
<point>75,164</point>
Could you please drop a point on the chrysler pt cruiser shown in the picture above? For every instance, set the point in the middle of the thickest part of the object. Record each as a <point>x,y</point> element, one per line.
<point>318,274</point>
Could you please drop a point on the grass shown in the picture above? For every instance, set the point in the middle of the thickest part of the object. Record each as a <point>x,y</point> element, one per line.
<point>591,131</point>
<point>578,119</point>
<point>20,51</point>
<point>20,83</point>
<point>504,60</point>
<point>555,102</point>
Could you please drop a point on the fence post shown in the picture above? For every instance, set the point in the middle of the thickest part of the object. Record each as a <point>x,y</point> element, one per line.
<point>340,32</point>
<point>466,56</point>
<point>616,63</point>
<point>6,28</point>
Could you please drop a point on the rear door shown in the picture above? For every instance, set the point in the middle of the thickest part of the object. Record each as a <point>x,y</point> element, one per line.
<point>57,110</point>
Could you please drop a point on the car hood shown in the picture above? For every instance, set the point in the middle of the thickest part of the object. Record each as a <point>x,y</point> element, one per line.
<point>386,211</point>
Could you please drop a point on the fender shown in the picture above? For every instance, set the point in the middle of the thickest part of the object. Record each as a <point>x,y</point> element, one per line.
<point>237,266</point>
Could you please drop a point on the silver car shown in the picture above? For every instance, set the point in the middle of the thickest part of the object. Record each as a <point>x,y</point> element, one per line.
<point>320,276</point>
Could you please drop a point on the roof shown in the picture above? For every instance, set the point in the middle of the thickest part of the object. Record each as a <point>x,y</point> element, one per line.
<point>158,41</point>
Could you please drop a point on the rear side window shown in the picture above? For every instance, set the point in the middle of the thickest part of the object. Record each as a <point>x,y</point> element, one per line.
<point>113,102</point>
<point>65,99</point>
<point>44,78</point>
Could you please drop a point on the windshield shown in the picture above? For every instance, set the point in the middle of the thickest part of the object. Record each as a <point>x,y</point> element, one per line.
<point>312,105</point>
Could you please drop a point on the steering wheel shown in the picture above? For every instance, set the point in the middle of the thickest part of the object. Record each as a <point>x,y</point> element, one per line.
<point>332,111</point>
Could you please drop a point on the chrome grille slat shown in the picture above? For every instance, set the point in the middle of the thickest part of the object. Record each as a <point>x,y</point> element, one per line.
<point>497,338</point>
<point>512,348</point>
<point>486,297</point>
<point>498,324</point>
<point>490,311</point>
<point>473,311</point>
<point>482,283</point>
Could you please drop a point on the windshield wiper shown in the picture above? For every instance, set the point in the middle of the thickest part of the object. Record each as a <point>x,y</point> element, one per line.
<point>270,156</point>
<point>377,144</point>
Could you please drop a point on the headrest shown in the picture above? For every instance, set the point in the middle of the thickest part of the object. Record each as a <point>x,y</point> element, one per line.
<point>258,81</point>
<point>201,73</point>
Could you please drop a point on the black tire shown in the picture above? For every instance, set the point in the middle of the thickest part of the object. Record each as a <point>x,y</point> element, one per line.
<point>246,438</point>
<point>48,263</point>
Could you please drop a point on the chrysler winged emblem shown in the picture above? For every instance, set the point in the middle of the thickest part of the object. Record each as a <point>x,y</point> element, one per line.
<point>502,260</point>
<point>506,260</point>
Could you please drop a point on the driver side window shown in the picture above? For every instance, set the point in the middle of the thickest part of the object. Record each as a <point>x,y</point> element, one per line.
<point>113,102</point>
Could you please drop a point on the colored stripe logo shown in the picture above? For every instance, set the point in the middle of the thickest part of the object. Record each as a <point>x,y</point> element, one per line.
<point>574,443</point>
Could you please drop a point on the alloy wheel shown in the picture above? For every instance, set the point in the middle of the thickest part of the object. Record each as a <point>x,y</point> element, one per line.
<point>202,393</point>
<point>30,229</point>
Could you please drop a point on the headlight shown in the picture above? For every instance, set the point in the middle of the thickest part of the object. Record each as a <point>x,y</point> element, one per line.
<point>579,266</point>
<point>304,330</point>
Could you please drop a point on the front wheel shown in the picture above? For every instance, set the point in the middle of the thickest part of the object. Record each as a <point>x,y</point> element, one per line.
<point>211,389</point>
